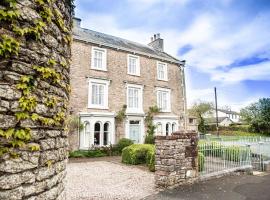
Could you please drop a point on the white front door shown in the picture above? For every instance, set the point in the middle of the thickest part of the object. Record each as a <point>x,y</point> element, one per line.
<point>135,131</point>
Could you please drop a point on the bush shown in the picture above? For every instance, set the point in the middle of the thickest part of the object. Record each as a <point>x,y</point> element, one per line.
<point>210,148</point>
<point>236,153</point>
<point>139,154</point>
<point>149,139</point>
<point>201,160</point>
<point>124,142</point>
<point>87,153</point>
<point>150,159</point>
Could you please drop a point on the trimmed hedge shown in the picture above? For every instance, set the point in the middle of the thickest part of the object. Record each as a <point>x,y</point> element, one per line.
<point>124,142</point>
<point>211,148</point>
<point>236,153</point>
<point>139,154</point>
<point>87,153</point>
<point>201,161</point>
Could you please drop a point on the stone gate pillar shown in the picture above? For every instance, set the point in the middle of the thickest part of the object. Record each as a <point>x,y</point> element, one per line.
<point>35,38</point>
<point>176,159</point>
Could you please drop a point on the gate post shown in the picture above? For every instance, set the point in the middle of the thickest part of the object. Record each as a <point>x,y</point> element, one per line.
<point>176,159</point>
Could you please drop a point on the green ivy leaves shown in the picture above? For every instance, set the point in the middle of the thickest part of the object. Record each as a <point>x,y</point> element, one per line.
<point>8,46</point>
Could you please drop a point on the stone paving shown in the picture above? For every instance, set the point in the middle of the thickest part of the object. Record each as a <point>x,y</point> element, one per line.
<point>109,179</point>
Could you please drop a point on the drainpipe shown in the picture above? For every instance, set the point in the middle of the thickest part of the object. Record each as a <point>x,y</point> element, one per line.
<point>183,87</point>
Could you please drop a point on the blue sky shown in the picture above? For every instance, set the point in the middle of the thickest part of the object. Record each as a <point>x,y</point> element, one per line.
<point>226,43</point>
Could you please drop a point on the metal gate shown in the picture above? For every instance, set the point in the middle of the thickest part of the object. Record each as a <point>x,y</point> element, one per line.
<point>219,155</point>
<point>216,158</point>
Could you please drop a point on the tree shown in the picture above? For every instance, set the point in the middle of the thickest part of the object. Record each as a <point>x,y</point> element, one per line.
<point>257,115</point>
<point>199,109</point>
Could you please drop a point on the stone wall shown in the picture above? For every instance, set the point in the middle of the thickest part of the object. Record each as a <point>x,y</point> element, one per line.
<point>34,92</point>
<point>176,159</point>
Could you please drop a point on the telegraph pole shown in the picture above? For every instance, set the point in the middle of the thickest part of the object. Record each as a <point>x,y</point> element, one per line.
<point>216,110</point>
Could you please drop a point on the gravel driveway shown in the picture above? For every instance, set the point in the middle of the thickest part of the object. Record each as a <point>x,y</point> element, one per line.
<point>107,180</point>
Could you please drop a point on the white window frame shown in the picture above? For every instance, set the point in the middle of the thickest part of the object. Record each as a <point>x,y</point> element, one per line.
<point>140,98</point>
<point>168,100</point>
<point>165,71</point>
<point>106,93</point>
<point>138,70</point>
<point>104,59</point>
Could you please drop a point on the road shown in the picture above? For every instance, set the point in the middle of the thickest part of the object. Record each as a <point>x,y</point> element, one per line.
<point>244,187</point>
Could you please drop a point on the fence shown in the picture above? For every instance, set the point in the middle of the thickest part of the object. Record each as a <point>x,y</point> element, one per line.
<point>259,148</point>
<point>216,158</point>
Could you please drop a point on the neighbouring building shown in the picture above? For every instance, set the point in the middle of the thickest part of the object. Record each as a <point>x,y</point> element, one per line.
<point>225,117</point>
<point>108,73</point>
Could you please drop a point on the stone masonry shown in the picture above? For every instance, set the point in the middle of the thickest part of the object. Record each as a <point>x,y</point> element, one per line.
<point>176,159</point>
<point>35,174</point>
<point>117,74</point>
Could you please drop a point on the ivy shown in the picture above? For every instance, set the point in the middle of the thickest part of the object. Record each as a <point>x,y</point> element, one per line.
<point>28,103</point>
<point>9,15</point>
<point>8,46</point>
<point>121,115</point>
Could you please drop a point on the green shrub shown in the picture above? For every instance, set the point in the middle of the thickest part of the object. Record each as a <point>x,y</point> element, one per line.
<point>211,148</point>
<point>236,153</point>
<point>139,154</point>
<point>201,160</point>
<point>149,139</point>
<point>87,153</point>
<point>150,159</point>
<point>124,142</point>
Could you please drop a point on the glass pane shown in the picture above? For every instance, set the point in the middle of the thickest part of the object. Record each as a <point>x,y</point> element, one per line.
<point>97,134</point>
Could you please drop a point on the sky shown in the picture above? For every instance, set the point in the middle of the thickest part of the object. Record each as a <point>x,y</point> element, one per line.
<point>226,43</point>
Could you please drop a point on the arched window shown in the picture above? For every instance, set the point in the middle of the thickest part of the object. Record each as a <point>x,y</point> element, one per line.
<point>106,134</point>
<point>159,129</point>
<point>97,134</point>
<point>85,135</point>
<point>168,127</point>
<point>174,127</point>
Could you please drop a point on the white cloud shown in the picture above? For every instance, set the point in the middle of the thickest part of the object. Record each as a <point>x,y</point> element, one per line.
<point>252,72</point>
<point>215,40</point>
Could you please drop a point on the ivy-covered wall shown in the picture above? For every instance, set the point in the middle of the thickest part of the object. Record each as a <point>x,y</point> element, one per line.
<point>35,39</point>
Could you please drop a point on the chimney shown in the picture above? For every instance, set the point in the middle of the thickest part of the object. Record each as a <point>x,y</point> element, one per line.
<point>157,42</point>
<point>76,22</point>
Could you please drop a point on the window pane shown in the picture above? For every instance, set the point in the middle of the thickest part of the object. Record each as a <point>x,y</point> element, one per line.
<point>132,68</point>
<point>98,94</point>
<point>98,59</point>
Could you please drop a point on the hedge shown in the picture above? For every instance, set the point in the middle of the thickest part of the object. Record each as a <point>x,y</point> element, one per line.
<point>87,153</point>
<point>201,160</point>
<point>139,154</point>
<point>124,142</point>
<point>236,153</point>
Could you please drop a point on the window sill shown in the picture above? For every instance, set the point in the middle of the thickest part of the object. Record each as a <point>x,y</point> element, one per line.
<point>137,75</point>
<point>98,107</point>
<point>165,80</point>
<point>103,70</point>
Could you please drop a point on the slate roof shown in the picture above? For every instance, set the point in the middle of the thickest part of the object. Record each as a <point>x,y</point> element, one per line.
<point>120,43</point>
<point>228,111</point>
<point>212,120</point>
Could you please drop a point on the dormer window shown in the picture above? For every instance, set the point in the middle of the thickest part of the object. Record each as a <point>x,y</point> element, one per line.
<point>133,65</point>
<point>99,59</point>
<point>162,72</point>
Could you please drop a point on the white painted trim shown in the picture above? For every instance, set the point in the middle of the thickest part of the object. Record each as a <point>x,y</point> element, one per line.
<point>106,84</point>
<point>165,71</point>
<point>159,89</point>
<point>140,99</point>
<point>138,65</point>
<point>97,114</point>
<point>163,122</point>
<point>104,58</point>
<point>139,118</point>
<point>102,120</point>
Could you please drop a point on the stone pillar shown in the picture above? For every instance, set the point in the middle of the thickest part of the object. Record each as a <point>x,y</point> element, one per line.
<point>35,39</point>
<point>176,159</point>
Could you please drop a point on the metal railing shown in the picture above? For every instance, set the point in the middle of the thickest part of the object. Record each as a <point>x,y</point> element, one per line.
<point>215,158</point>
<point>259,147</point>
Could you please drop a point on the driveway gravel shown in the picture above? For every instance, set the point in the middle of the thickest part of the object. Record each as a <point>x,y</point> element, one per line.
<point>107,180</point>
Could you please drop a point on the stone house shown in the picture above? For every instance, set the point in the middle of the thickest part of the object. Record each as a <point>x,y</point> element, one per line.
<point>108,73</point>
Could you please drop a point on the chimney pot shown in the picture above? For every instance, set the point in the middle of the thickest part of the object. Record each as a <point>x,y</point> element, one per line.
<point>152,39</point>
<point>158,35</point>
<point>155,36</point>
